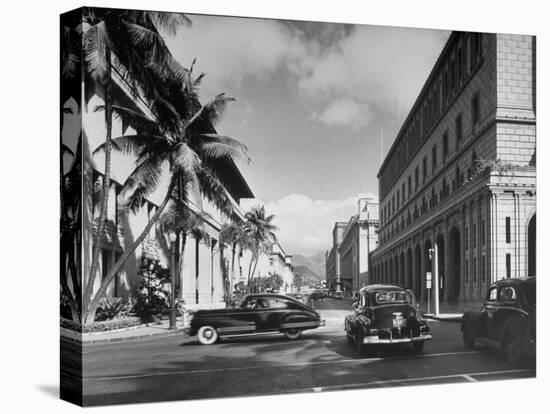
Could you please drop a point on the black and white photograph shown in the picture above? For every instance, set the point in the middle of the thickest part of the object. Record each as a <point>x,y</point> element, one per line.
<point>272,210</point>
<point>278,200</point>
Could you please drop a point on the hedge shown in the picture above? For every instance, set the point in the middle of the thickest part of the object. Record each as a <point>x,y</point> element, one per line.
<point>102,326</point>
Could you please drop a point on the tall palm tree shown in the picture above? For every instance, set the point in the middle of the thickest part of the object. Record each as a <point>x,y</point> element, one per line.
<point>262,232</point>
<point>130,43</point>
<point>183,222</point>
<point>184,146</point>
<point>234,234</point>
<point>70,202</point>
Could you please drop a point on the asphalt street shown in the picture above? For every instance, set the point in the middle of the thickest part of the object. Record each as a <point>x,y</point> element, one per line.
<point>178,368</point>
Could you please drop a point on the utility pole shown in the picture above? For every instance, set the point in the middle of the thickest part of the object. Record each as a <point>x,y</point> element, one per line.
<point>436,279</point>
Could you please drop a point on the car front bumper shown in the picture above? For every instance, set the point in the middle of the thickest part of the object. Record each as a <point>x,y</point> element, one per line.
<point>375,339</point>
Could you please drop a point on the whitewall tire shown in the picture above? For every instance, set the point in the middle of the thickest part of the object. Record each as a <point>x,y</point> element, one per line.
<point>207,335</point>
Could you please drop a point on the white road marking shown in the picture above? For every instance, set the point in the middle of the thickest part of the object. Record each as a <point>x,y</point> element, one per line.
<point>404,380</point>
<point>317,389</point>
<point>471,379</point>
<point>271,366</point>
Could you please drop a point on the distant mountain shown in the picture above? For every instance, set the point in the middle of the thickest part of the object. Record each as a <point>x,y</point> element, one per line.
<point>316,263</point>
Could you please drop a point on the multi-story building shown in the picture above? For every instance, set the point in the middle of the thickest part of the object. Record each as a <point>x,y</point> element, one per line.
<point>332,262</point>
<point>360,237</point>
<point>347,262</point>
<point>461,172</point>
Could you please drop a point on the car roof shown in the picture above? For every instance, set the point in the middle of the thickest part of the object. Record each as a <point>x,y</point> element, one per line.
<point>515,281</point>
<point>269,296</point>
<point>380,287</point>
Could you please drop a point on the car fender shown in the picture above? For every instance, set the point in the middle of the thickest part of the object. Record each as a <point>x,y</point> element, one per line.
<point>361,324</point>
<point>472,319</point>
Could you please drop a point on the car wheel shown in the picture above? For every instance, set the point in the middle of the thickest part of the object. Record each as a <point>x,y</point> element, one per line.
<point>510,346</point>
<point>359,344</point>
<point>293,333</point>
<point>207,335</point>
<point>418,346</point>
<point>468,336</point>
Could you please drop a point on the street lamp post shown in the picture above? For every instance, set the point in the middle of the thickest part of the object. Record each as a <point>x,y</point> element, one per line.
<point>434,255</point>
<point>172,325</point>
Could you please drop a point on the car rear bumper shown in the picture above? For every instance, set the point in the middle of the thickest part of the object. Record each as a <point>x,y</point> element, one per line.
<point>375,339</point>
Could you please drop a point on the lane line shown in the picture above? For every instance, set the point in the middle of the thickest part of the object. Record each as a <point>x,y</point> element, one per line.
<point>471,379</point>
<point>405,380</point>
<point>271,366</point>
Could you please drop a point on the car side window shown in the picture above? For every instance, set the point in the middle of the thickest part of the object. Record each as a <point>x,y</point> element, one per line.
<point>277,304</point>
<point>492,295</point>
<point>507,294</point>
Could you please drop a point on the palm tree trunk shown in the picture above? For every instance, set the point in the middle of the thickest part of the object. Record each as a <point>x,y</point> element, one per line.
<point>106,184</point>
<point>180,261</point>
<point>90,314</point>
<point>232,269</point>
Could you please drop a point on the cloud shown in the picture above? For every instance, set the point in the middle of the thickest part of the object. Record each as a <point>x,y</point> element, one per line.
<point>305,225</point>
<point>345,112</point>
<point>334,67</point>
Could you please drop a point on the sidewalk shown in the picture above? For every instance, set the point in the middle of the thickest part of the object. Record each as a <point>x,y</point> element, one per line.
<point>448,312</point>
<point>150,330</point>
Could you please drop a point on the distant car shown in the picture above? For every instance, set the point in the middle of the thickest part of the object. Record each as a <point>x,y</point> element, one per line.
<point>258,314</point>
<point>385,315</point>
<point>507,319</point>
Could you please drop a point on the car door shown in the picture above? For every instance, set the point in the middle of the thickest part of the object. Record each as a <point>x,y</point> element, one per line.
<point>276,311</point>
<point>488,313</point>
<point>507,307</point>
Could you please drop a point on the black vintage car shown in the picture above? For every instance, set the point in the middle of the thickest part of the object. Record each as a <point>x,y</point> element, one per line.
<point>258,314</point>
<point>507,319</point>
<point>386,315</point>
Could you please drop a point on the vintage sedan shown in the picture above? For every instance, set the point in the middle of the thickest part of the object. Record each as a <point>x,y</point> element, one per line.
<point>258,314</point>
<point>386,315</point>
<point>507,319</point>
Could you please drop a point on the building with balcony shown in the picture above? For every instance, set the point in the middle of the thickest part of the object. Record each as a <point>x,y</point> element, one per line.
<point>461,172</point>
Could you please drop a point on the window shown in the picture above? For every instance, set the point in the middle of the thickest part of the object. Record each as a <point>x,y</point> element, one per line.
<point>434,158</point>
<point>409,183</point>
<point>492,295</point>
<point>508,235</point>
<point>483,268</point>
<point>475,49</point>
<point>403,191</point>
<point>458,130</point>
<point>507,294</point>
<point>475,109</point>
<point>416,179</point>
<point>474,270</point>
<point>424,169</point>
<point>393,205</point>
<point>445,145</point>
<point>474,234</point>
<point>398,199</point>
<point>466,239</point>
<point>467,275</point>
<point>482,232</point>
<point>460,60</point>
<point>105,262</point>
<point>508,265</point>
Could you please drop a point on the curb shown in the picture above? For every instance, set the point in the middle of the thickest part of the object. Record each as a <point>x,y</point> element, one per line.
<point>454,319</point>
<point>129,338</point>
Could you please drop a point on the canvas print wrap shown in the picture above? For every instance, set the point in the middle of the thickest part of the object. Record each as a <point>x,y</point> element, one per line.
<point>304,206</point>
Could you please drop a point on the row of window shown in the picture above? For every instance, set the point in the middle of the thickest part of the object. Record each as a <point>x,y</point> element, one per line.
<point>438,95</point>
<point>398,198</point>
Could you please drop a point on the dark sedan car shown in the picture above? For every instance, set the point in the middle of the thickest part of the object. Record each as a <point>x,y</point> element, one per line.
<point>258,314</point>
<point>507,319</point>
<point>386,315</point>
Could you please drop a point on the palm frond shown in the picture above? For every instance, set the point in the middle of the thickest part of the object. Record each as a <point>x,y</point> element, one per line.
<point>211,112</point>
<point>184,159</point>
<point>131,144</point>
<point>143,181</point>
<point>220,146</point>
<point>169,22</point>
<point>96,44</point>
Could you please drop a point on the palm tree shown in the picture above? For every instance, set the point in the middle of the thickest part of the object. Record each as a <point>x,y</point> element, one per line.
<point>184,222</point>
<point>262,233</point>
<point>184,146</point>
<point>129,42</point>
<point>234,234</point>
<point>70,64</point>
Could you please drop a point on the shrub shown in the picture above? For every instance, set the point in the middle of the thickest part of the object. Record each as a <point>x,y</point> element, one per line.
<point>152,298</point>
<point>109,308</point>
<point>102,326</point>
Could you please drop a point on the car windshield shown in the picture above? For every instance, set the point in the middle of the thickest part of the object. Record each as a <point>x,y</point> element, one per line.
<point>530,293</point>
<point>381,298</point>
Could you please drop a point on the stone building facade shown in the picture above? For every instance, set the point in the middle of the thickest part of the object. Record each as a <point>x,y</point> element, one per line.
<point>352,243</point>
<point>461,172</point>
